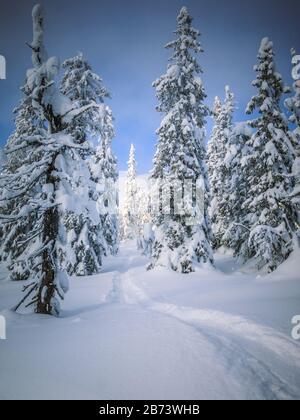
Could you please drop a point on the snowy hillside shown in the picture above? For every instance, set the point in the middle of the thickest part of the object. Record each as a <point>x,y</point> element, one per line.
<point>131,334</point>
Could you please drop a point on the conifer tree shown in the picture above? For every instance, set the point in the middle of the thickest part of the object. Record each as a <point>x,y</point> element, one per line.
<point>219,150</point>
<point>40,180</point>
<point>236,234</point>
<point>105,173</point>
<point>215,157</point>
<point>82,86</point>
<point>90,240</point>
<point>268,167</point>
<point>130,211</point>
<point>182,239</point>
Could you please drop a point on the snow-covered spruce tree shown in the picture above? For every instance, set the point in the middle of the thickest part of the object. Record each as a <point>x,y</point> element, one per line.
<point>220,170</point>
<point>104,172</point>
<point>28,122</point>
<point>268,167</point>
<point>182,239</point>
<point>40,180</point>
<point>82,243</point>
<point>130,210</point>
<point>213,144</point>
<point>237,232</point>
<point>82,86</point>
<point>215,158</point>
<point>27,181</point>
<point>89,240</point>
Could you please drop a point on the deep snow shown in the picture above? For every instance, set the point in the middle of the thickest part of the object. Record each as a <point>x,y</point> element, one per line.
<point>132,334</point>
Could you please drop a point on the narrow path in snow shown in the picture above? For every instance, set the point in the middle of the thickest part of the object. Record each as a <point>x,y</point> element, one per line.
<point>260,359</point>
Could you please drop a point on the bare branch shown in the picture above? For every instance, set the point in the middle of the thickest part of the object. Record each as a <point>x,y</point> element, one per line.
<point>25,297</point>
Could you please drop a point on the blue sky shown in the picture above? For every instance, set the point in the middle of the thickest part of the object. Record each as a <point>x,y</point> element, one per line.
<point>124,40</point>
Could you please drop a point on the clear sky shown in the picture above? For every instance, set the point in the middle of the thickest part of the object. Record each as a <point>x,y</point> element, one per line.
<point>124,40</point>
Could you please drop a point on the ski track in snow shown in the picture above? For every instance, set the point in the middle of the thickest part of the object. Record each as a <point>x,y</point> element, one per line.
<point>230,336</point>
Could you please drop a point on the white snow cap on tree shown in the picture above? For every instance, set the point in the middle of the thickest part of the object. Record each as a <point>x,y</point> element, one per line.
<point>180,156</point>
<point>39,55</point>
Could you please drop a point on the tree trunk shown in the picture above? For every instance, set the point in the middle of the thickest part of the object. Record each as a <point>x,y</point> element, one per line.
<point>49,268</point>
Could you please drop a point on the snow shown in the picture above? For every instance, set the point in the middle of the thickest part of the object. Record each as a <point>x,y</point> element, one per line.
<point>131,334</point>
<point>265,45</point>
<point>242,128</point>
<point>142,183</point>
<point>61,105</point>
<point>173,71</point>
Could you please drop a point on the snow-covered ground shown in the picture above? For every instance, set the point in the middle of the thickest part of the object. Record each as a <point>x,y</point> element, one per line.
<point>132,334</point>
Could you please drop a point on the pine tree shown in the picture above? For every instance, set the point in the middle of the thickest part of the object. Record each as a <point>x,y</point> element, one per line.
<point>130,211</point>
<point>105,174</point>
<point>40,181</point>
<point>28,182</point>
<point>215,157</point>
<point>268,167</point>
<point>182,238</point>
<point>219,168</point>
<point>82,243</point>
<point>83,87</point>
<point>89,240</point>
<point>29,122</point>
<point>236,234</point>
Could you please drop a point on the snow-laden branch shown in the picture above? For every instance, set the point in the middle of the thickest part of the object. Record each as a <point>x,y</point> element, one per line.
<point>9,179</point>
<point>76,112</point>
<point>28,142</point>
<point>24,190</point>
